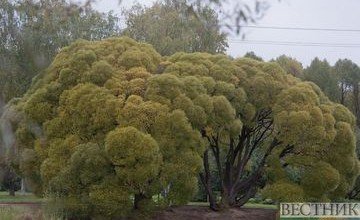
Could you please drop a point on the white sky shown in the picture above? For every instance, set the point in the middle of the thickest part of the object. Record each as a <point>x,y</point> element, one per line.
<point>334,14</point>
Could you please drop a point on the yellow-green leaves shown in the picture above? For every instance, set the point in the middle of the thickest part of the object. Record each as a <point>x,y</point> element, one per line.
<point>110,199</point>
<point>138,58</point>
<point>318,179</point>
<point>320,131</point>
<point>38,107</point>
<point>135,156</point>
<point>88,111</point>
<point>284,191</point>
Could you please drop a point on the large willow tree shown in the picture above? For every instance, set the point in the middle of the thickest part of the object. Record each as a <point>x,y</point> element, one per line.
<point>112,123</point>
<point>261,126</point>
<point>104,148</point>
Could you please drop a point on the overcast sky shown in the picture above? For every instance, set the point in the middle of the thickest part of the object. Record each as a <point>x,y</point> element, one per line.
<point>333,14</point>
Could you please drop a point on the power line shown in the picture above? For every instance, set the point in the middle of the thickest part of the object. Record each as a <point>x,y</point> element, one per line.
<point>300,28</point>
<point>295,43</point>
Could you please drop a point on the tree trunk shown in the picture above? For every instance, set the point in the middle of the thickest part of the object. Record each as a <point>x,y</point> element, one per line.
<point>243,187</point>
<point>11,191</point>
<point>342,95</point>
<point>239,184</point>
<point>22,189</point>
<point>356,102</point>
<point>249,194</point>
<point>206,181</point>
<point>228,199</point>
<point>212,200</point>
<point>138,198</point>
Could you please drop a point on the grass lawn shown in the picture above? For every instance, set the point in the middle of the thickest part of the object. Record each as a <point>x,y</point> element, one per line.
<point>26,211</point>
<point>18,198</point>
<point>17,212</point>
<point>260,206</point>
<point>247,205</point>
<point>17,207</point>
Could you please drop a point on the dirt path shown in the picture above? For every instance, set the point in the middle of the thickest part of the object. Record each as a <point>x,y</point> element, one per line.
<point>204,213</point>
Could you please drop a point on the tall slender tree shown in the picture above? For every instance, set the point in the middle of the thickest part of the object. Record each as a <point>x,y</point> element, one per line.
<point>348,75</point>
<point>321,73</point>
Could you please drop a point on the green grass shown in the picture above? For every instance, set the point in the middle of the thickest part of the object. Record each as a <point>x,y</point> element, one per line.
<point>260,206</point>
<point>27,197</point>
<point>14,212</point>
<point>10,208</point>
<point>199,203</point>
<point>247,205</point>
<point>11,212</point>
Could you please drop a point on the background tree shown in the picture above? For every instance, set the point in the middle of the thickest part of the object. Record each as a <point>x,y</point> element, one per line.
<point>170,27</point>
<point>321,73</point>
<point>252,55</point>
<point>10,180</point>
<point>32,32</point>
<point>234,14</point>
<point>9,173</point>
<point>348,74</point>
<point>290,65</point>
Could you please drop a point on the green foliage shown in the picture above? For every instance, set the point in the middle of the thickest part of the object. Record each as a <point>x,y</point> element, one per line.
<point>252,55</point>
<point>110,199</point>
<point>290,65</point>
<point>135,156</point>
<point>284,191</point>
<point>346,75</point>
<point>34,31</point>
<point>307,125</point>
<point>171,27</point>
<point>319,178</point>
<point>321,73</point>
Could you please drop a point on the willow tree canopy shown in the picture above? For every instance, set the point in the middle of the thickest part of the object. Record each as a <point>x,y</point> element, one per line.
<point>119,124</point>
